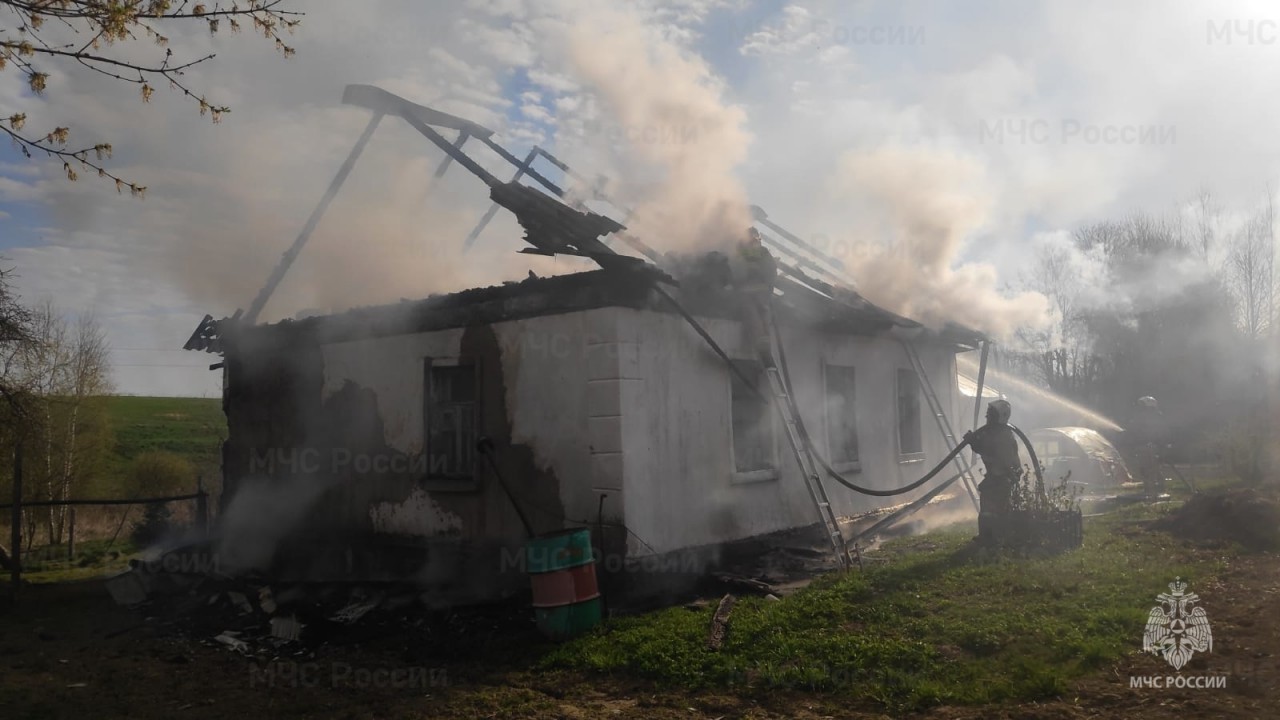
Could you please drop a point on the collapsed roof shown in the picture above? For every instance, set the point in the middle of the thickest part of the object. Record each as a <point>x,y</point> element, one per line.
<point>810,282</point>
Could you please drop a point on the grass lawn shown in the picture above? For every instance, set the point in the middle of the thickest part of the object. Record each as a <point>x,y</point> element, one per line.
<point>191,427</point>
<point>940,624</point>
<point>93,558</point>
<point>938,630</point>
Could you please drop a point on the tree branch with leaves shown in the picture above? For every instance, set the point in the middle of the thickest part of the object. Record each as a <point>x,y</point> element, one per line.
<point>93,35</point>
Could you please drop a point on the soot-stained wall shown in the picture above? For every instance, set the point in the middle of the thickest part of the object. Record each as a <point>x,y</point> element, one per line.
<point>605,417</point>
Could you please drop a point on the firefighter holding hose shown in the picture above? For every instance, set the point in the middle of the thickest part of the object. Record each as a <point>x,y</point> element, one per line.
<point>996,444</point>
<point>1149,432</point>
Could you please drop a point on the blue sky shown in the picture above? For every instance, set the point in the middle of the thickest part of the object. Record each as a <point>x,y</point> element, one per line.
<point>871,141</point>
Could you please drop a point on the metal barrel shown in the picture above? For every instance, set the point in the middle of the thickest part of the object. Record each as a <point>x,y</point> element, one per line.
<point>562,571</point>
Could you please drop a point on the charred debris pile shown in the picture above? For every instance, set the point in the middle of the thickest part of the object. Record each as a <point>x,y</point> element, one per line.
<point>269,619</point>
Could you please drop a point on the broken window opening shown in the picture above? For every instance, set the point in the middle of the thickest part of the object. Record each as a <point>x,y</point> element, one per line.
<point>841,415</point>
<point>451,420</point>
<point>754,449</point>
<point>910,435</point>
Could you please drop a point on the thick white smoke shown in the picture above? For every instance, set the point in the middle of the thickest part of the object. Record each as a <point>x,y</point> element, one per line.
<point>916,209</point>
<point>652,117</point>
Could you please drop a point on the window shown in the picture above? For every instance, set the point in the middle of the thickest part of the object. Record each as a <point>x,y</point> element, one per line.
<point>842,425</point>
<point>910,438</point>
<point>452,420</point>
<point>1047,448</point>
<point>753,440</point>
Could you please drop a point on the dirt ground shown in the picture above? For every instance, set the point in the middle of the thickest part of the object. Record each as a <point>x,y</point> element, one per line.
<point>67,651</point>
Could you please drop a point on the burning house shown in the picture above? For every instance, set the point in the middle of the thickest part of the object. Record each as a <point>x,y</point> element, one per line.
<point>425,441</point>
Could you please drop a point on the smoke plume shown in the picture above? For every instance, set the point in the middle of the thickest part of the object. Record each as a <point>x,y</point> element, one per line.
<point>923,205</point>
<point>661,130</point>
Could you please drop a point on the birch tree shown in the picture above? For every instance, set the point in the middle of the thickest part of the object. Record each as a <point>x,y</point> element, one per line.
<point>64,369</point>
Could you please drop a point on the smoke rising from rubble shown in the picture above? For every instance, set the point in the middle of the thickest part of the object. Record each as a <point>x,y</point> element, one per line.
<point>261,514</point>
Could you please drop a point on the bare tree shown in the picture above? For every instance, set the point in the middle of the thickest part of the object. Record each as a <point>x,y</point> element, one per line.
<point>16,333</point>
<point>1206,212</point>
<point>99,35</point>
<point>1250,275</point>
<point>1062,356</point>
<point>63,369</point>
<point>87,379</point>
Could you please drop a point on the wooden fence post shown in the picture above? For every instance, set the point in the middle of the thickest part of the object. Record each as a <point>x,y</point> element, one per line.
<point>15,533</point>
<point>202,506</point>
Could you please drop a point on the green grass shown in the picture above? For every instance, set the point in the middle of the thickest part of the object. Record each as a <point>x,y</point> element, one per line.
<point>191,427</point>
<point>93,558</point>
<point>939,624</point>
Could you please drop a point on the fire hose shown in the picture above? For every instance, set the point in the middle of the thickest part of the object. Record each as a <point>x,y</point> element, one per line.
<point>808,441</point>
<point>804,435</point>
<point>803,432</point>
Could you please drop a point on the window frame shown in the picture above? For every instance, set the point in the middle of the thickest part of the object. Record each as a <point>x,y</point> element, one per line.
<point>773,471</point>
<point>905,455</point>
<point>841,465</point>
<point>441,481</point>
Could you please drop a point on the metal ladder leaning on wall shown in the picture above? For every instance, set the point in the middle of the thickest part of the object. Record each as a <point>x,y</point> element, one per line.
<point>808,468</point>
<point>944,425</point>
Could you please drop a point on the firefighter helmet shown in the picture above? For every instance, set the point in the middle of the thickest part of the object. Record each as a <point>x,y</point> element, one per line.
<point>1002,408</point>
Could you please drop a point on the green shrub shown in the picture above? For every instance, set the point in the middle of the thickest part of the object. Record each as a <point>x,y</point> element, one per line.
<point>155,524</point>
<point>161,473</point>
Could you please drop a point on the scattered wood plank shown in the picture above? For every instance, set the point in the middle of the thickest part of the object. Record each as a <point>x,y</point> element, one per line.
<point>720,622</point>
<point>744,583</point>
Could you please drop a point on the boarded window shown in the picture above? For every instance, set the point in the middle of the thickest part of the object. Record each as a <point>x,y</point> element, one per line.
<point>842,425</point>
<point>452,420</point>
<point>753,441</point>
<point>910,438</point>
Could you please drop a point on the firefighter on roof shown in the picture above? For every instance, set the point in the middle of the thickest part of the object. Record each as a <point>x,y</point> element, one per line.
<point>756,273</point>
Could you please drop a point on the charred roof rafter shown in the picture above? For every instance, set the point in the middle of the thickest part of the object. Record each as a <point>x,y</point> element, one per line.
<point>553,223</point>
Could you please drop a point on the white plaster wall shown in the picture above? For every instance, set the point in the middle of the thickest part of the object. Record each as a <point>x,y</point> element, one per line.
<point>392,367</point>
<point>876,361</point>
<point>633,404</point>
<point>681,486</point>
<point>679,465</point>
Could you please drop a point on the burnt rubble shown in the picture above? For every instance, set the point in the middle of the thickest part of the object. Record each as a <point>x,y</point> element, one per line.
<point>268,621</point>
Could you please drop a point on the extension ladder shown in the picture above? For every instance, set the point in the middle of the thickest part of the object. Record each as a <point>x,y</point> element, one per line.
<point>808,468</point>
<point>944,425</point>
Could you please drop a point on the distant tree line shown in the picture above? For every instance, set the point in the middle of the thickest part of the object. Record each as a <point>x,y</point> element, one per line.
<point>1179,307</point>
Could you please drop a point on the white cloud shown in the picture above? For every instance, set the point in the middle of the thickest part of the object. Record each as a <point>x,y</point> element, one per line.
<point>795,32</point>
<point>12,190</point>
